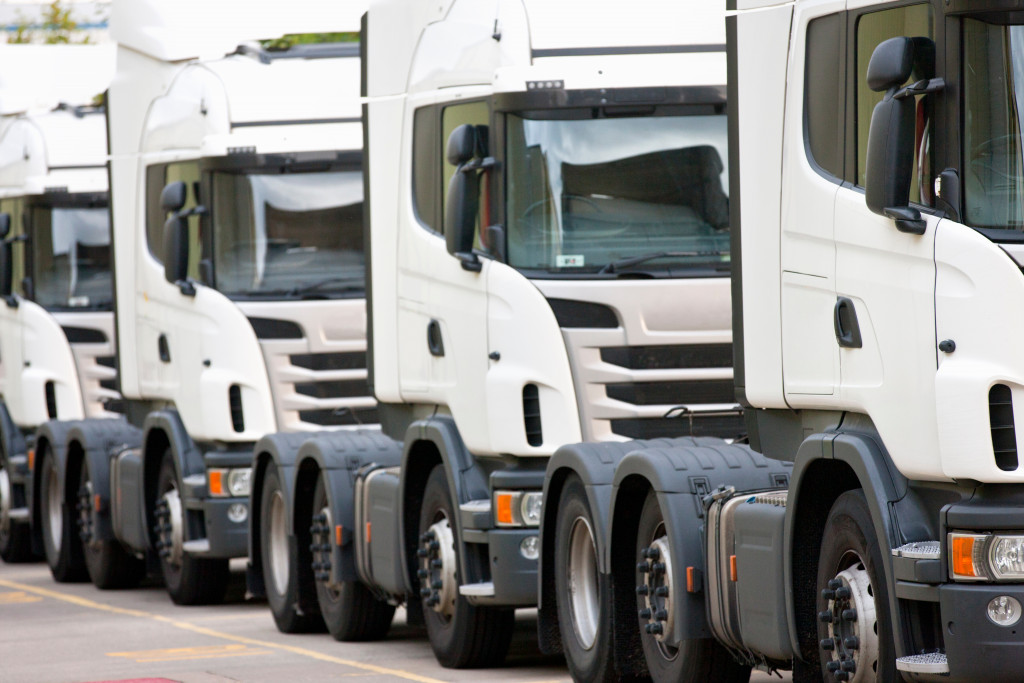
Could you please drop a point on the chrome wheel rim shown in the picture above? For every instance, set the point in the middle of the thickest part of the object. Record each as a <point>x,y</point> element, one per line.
<point>852,644</point>
<point>656,591</point>
<point>278,542</point>
<point>169,527</point>
<point>438,580</point>
<point>5,500</point>
<point>53,512</point>
<point>584,591</point>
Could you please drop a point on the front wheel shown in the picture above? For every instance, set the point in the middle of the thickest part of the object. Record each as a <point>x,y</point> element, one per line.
<point>108,563</point>
<point>584,609</point>
<point>291,590</point>
<point>350,610</point>
<point>190,580</point>
<point>15,536</point>
<point>63,547</point>
<point>462,635</point>
<point>856,641</point>
<point>669,659</point>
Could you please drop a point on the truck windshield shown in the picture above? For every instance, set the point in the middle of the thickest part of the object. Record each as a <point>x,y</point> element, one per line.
<point>288,235</point>
<point>597,197</point>
<point>993,91</point>
<point>70,250</point>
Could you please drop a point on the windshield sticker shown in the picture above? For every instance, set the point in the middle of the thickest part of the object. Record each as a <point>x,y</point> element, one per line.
<point>569,260</point>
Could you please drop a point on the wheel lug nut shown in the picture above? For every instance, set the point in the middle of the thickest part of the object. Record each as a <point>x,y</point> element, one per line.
<point>825,617</point>
<point>661,591</point>
<point>849,666</point>
<point>642,590</point>
<point>434,545</point>
<point>843,593</point>
<point>828,594</point>
<point>842,676</point>
<point>421,552</point>
<point>643,568</point>
<point>827,644</point>
<point>832,666</point>
<point>437,585</point>
<point>437,564</point>
<point>835,583</point>
<point>645,613</point>
<point>422,573</point>
<point>658,567</point>
<point>661,615</point>
<point>851,643</point>
<point>654,629</point>
<point>425,592</point>
<point>850,614</point>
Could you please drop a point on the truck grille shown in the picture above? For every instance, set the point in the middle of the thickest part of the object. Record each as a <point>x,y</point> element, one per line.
<point>90,336</point>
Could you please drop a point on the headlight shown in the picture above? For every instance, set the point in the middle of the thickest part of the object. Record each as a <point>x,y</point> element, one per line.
<point>239,482</point>
<point>517,508</point>
<point>986,557</point>
<point>224,483</point>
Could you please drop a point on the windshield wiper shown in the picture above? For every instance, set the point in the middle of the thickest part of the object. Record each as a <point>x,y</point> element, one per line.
<point>643,258</point>
<point>346,284</point>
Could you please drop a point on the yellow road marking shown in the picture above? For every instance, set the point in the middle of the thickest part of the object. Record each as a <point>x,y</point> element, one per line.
<point>17,598</point>
<point>186,626</point>
<point>182,653</point>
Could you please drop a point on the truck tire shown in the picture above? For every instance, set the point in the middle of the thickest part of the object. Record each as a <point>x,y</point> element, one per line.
<point>109,565</point>
<point>290,586</point>
<point>852,591</point>
<point>584,603</point>
<point>692,660</point>
<point>15,536</point>
<point>462,635</point>
<point>189,580</point>
<point>61,543</point>
<point>350,611</point>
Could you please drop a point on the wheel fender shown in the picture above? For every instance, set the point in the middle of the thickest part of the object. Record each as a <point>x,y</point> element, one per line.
<point>883,486</point>
<point>99,440</point>
<point>281,449</point>
<point>681,476</point>
<point>187,457</point>
<point>338,455</point>
<point>466,481</point>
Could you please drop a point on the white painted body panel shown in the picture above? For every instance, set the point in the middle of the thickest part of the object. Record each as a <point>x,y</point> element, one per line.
<point>422,54</point>
<point>165,106</point>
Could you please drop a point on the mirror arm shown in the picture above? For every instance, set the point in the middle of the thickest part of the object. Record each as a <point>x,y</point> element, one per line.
<point>469,261</point>
<point>924,87</point>
<point>187,287</point>
<point>485,164</point>
<point>908,219</point>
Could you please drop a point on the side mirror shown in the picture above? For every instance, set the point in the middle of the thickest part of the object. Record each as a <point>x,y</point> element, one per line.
<point>891,138</point>
<point>173,196</point>
<point>467,151</point>
<point>5,225</point>
<point>6,269</point>
<point>176,250</point>
<point>461,145</point>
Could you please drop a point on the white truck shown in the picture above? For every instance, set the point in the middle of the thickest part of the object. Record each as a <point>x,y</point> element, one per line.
<point>876,188</point>
<point>549,264</point>
<point>56,324</point>
<point>238,262</point>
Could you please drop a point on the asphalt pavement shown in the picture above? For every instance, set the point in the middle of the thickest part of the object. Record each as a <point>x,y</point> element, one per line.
<point>75,633</point>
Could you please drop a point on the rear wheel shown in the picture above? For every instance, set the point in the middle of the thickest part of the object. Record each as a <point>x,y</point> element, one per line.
<point>856,640</point>
<point>350,611</point>
<point>291,588</point>
<point>15,537</point>
<point>584,609</point>
<point>63,547</point>
<point>108,563</point>
<point>668,658</point>
<point>190,580</point>
<point>462,635</point>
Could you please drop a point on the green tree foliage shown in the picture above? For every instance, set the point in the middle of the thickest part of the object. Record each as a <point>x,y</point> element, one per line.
<point>57,28</point>
<point>287,41</point>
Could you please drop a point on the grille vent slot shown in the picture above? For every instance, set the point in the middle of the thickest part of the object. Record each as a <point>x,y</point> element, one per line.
<point>1004,433</point>
<point>235,403</point>
<point>531,415</point>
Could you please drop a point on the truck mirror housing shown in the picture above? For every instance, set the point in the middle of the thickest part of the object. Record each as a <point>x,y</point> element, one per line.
<point>463,204</point>
<point>461,145</point>
<point>175,249</point>
<point>172,198</point>
<point>5,225</point>
<point>6,269</point>
<point>890,153</point>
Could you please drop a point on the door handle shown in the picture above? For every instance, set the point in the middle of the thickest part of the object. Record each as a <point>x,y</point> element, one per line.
<point>434,341</point>
<point>847,328</point>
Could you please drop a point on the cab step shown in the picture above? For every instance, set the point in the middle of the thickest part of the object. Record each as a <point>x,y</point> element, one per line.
<point>931,663</point>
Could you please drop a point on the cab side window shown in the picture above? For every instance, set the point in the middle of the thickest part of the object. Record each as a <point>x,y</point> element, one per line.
<point>823,93</point>
<point>157,177</point>
<point>915,21</point>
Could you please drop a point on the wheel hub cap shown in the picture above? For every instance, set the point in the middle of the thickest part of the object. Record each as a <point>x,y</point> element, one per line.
<point>656,590</point>
<point>438,580</point>
<point>5,500</point>
<point>278,542</point>
<point>53,511</point>
<point>850,651</point>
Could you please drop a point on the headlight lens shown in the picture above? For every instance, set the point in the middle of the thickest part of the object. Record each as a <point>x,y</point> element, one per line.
<point>986,557</point>
<point>517,508</point>
<point>1006,557</point>
<point>239,482</point>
